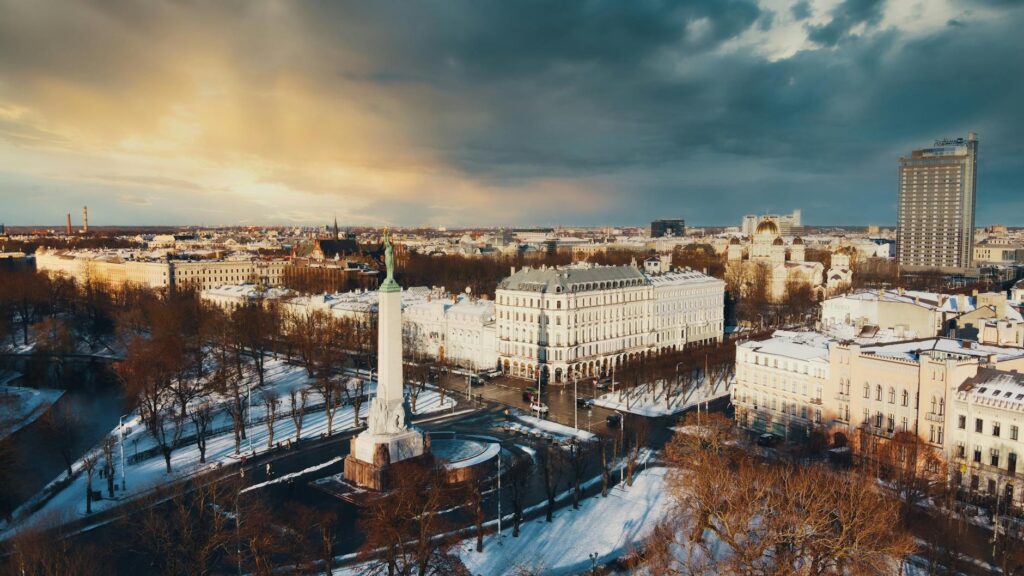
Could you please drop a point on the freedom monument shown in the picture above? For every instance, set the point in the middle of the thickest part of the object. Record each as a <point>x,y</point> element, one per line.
<point>388,438</point>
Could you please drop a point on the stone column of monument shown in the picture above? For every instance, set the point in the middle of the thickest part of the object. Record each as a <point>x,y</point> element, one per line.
<point>388,437</point>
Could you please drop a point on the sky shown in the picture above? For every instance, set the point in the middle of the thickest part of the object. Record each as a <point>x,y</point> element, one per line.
<point>469,113</point>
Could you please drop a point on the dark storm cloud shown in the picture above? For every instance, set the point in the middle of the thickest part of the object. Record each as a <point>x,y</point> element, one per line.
<point>846,16</point>
<point>801,10</point>
<point>655,100</point>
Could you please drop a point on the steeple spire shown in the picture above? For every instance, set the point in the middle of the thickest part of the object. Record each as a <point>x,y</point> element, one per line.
<point>336,236</point>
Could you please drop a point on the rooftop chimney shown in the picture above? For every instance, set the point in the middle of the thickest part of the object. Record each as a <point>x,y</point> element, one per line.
<point>67,227</point>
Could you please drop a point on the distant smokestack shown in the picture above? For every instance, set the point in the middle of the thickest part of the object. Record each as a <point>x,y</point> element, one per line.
<point>85,218</point>
<point>67,228</point>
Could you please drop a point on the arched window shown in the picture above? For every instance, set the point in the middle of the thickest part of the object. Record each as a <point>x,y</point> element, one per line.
<point>942,406</point>
<point>906,397</point>
<point>878,392</point>
<point>892,395</point>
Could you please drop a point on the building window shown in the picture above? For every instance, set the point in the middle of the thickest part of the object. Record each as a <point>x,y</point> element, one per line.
<point>878,392</point>
<point>1013,432</point>
<point>892,395</point>
<point>995,458</point>
<point>961,422</point>
<point>867,389</point>
<point>995,429</point>
<point>979,425</point>
<point>977,455</point>
<point>906,397</point>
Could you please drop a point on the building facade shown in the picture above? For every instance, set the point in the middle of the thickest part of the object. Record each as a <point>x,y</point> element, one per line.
<point>554,323</point>
<point>936,205</point>
<point>860,394</point>
<point>986,441</point>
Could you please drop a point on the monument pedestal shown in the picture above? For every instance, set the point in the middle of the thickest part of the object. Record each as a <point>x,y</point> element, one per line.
<point>372,456</point>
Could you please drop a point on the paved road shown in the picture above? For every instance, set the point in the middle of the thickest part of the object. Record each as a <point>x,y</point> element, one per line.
<point>508,392</point>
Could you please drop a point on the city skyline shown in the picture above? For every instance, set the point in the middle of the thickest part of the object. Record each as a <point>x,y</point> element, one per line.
<point>475,115</point>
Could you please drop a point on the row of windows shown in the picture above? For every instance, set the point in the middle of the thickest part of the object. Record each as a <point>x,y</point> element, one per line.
<point>996,428</point>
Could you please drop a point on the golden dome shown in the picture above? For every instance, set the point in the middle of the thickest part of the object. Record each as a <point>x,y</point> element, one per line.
<point>767,227</point>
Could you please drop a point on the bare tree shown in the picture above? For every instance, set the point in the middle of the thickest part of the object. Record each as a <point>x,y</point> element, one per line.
<point>89,463</point>
<point>329,390</point>
<point>549,458</point>
<point>297,399</point>
<point>271,401</point>
<point>475,501</point>
<point>202,416</point>
<point>518,483</point>
<point>355,393</point>
<point>191,530</point>
<point>740,515</point>
<point>147,377</point>
<point>639,438</point>
<point>577,460</point>
<point>405,530</point>
<point>107,446</point>
<point>44,553</point>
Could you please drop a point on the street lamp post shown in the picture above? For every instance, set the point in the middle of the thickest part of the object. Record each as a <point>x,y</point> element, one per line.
<point>248,393</point>
<point>499,494</point>
<point>575,400</point>
<point>120,427</point>
<point>622,444</point>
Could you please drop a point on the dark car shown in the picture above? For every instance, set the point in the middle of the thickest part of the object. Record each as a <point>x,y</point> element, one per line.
<point>584,402</point>
<point>613,421</point>
<point>767,440</point>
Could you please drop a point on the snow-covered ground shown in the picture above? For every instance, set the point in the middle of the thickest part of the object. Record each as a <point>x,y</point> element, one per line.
<point>534,424</point>
<point>610,527</point>
<point>69,503</point>
<point>649,400</point>
<point>19,407</point>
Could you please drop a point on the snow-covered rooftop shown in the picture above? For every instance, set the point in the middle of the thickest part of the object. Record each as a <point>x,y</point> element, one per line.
<point>807,346</point>
<point>912,349</point>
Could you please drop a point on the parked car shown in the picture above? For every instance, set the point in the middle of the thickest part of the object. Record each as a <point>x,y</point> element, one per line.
<point>613,421</point>
<point>584,402</point>
<point>539,407</point>
<point>767,440</point>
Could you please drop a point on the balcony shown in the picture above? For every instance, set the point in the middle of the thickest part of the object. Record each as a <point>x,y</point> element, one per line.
<point>934,417</point>
<point>842,397</point>
<point>816,401</point>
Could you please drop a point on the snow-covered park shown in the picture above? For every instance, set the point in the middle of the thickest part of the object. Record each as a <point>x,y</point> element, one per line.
<point>650,399</point>
<point>609,527</point>
<point>68,504</point>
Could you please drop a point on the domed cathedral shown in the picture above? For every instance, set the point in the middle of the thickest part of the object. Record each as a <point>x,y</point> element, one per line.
<point>784,263</point>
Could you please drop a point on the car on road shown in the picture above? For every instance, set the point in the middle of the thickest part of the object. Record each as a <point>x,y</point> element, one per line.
<point>529,394</point>
<point>767,440</point>
<point>585,402</point>
<point>539,407</point>
<point>613,421</point>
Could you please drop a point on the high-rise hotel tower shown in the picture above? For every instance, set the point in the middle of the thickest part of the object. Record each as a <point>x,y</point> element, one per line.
<point>936,208</point>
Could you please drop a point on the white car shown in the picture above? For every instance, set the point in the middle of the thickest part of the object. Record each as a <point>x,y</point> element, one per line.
<point>539,407</point>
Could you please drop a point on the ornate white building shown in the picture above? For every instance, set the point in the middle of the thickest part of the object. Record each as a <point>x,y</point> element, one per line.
<point>783,264</point>
<point>554,322</point>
